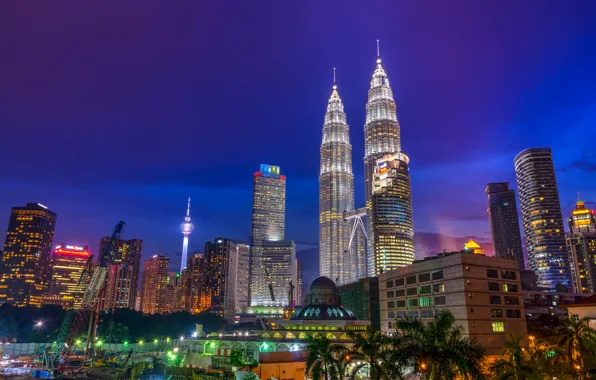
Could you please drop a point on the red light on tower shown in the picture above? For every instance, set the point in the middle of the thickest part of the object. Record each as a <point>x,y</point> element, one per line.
<point>72,250</point>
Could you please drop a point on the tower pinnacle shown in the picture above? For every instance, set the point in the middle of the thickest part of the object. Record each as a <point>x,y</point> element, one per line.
<point>186,228</point>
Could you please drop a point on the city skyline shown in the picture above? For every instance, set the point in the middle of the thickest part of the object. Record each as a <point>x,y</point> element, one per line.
<point>467,110</point>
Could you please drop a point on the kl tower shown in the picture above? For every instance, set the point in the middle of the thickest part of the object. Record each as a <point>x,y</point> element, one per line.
<point>186,228</point>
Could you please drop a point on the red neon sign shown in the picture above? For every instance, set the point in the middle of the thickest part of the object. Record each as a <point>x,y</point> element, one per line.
<point>70,252</point>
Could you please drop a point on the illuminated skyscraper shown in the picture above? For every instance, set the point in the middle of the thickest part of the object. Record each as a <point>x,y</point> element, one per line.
<point>196,300</point>
<point>541,217</point>
<point>273,259</point>
<point>243,276</point>
<point>68,263</point>
<point>268,205</point>
<point>381,137</point>
<point>581,245</point>
<point>186,228</point>
<point>155,297</point>
<point>221,277</point>
<point>124,263</point>
<point>504,222</point>
<point>336,195</point>
<point>392,231</point>
<point>24,268</point>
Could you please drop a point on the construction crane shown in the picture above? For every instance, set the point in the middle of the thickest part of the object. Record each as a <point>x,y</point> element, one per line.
<point>271,293</point>
<point>75,320</point>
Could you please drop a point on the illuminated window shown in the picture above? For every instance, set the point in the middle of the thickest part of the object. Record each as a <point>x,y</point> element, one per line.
<point>498,326</point>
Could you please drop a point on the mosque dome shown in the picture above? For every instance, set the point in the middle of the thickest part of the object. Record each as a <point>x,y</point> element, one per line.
<point>323,303</point>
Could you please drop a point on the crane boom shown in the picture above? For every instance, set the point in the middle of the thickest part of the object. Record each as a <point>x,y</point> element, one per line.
<point>74,321</point>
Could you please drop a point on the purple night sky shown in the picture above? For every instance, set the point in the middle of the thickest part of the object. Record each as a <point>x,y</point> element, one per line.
<point>118,110</point>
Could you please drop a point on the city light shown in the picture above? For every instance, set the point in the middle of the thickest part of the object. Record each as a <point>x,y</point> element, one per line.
<point>155,341</point>
<point>176,349</point>
<point>39,323</point>
<point>181,338</point>
<point>141,342</point>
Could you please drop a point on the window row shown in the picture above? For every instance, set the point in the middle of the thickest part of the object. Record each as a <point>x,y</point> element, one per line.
<point>505,274</point>
<point>507,288</point>
<point>424,289</point>
<point>511,313</point>
<point>509,300</point>
<point>416,302</point>
<point>423,277</point>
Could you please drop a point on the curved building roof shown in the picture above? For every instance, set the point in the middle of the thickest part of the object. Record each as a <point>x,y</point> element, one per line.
<point>323,303</point>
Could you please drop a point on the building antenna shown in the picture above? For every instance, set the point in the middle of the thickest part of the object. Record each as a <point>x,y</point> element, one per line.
<point>578,197</point>
<point>334,75</point>
<point>378,49</point>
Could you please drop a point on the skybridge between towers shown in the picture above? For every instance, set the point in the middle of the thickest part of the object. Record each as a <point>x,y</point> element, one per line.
<point>357,217</point>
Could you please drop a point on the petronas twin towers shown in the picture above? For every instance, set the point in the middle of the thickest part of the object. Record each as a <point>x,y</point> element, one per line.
<point>346,252</point>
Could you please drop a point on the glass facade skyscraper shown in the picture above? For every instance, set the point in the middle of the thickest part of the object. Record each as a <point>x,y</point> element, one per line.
<point>65,288</point>
<point>541,217</point>
<point>381,138</point>
<point>391,215</point>
<point>336,195</point>
<point>504,222</point>
<point>25,262</point>
<point>273,259</point>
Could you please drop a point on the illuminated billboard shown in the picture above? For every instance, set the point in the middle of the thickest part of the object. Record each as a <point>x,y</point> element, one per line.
<point>383,167</point>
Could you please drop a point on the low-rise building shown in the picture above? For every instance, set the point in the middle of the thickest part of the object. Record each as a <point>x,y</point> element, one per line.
<point>586,308</point>
<point>483,293</point>
<point>539,302</point>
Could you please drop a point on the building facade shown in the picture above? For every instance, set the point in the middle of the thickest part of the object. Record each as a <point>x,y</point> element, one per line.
<point>25,264</point>
<point>156,282</point>
<point>196,300</point>
<point>242,276</point>
<point>270,281</point>
<point>483,293</point>
<point>392,230</point>
<point>362,298</point>
<point>221,277</point>
<point>269,205</point>
<point>541,217</point>
<point>299,283</point>
<point>504,222</point>
<point>336,196</point>
<point>124,263</point>
<point>581,246</point>
<point>65,288</point>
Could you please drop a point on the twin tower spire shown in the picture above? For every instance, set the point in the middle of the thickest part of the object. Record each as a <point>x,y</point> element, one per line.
<point>338,259</point>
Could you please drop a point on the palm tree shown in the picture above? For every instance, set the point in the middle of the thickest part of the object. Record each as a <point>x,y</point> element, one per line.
<point>439,350</point>
<point>576,337</point>
<point>324,358</point>
<point>374,350</point>
<point>514,363</point>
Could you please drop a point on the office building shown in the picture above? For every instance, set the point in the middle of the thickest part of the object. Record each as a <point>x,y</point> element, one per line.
<point>336,195</point>
<point>483,293</point>
<point>124,263</point>
<point>273,259</point>
<point>392,230</point>
<point>66,287</point>
<point>186,228</point>
<point>504,222</point>
<point>181,293</point>
<point>381,137</point>
<point>541,217</point>
<point>270,281</point>
<point>269,205</point>
<point>155,297</point>
<point>362,298</point>
<point>300,283</point>
<point>541,302</point>
<point>581,246</point>
<point>25,264</point>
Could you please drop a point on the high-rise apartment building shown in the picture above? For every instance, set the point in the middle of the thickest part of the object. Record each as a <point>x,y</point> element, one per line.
<point>156,282</point>
<point>381,137</point>
<point>541,217</point>
<point>24,268</point>
<point>65,286</point>
<point>336,195</point>
<point>483,293</point>
<point>581,246</point>
<point>242,276</point>
<point>181,293</point>
<point>196,299</point>
<point>391,215</point>
<point>220,276</point>
<point>504,222</point>
<point>124,263</point>
<point>273,259</point>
